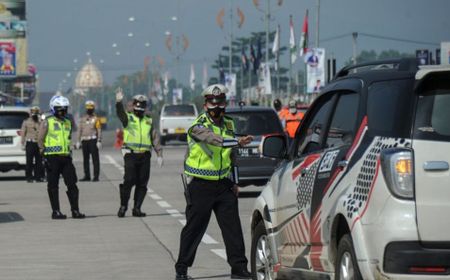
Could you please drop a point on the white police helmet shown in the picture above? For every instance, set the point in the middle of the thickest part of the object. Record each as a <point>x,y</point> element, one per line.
<point>140,102</point>
<point>89,104</point>
<point>59,102</point>
<point>215,93</point>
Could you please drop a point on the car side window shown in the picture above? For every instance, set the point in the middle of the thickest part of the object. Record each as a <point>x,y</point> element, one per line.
<point>311,134</point>
<point>343,122</point>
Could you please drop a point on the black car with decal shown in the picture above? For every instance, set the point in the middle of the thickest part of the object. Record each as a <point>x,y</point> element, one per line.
<point>363,191</point>
<point>252,168</point>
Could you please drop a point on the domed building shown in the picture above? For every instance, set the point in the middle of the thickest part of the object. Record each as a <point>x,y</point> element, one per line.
<point>89,77</point>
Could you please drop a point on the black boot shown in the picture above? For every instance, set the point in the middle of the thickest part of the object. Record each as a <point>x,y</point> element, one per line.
<point>53,195</point>
<point>240,273</point>
<point>138,213</point>
<point>139,196</point>
<point>73,199</point>
<point>122,211</point>
<point>57,215</point>
<point>124,197</point>
<point>85,179</point>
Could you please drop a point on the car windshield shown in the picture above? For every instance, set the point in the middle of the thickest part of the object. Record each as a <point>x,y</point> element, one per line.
<point>178,111</point>
<point>256,123</point>
<point>12,120</point>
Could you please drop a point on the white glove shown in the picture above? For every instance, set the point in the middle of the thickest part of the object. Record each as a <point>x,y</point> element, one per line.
<point>119,94</point>
<point>99,145</point>
<point>78,145</point>
<point>160,161</point>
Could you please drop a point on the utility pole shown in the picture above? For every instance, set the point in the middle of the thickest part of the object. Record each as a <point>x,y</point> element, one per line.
<point>267,30</point>
<point>318,23</point>
<point>230,58</point>
<point>355,36</point>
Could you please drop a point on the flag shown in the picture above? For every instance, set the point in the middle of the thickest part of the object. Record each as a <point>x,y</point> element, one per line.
<point>244,60</point>
<point>256,59</point>
<point>205,76</point>
<point>166,83</point>
<point>192,77</point>
<point>292,47</point>
<point>303,45</point>
<point>276,46</point>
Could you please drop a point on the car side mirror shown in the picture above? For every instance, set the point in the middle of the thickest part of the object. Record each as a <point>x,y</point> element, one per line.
<point>274,146</point>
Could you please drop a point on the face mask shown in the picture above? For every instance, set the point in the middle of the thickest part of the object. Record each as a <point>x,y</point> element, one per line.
<point>292,110</point>
<point>35,117</point>
<point>139,114</point>
<point>90,111</point>
<point>216,112</point>
<point>61,114</point>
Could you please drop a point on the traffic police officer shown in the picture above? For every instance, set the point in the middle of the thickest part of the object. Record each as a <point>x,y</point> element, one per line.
<point>54,142</point>
<point>90,135</point>
<point>292,119</point>
<point>139,137</point>
<point>208,166</point>
<point>29,133</point>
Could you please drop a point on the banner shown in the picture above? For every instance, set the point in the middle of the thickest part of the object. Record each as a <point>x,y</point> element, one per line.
<point>264,82</point>
<point>230,83</point>
<point>12,19</point>
<point>177,96</point>
<point>315,69</point>
<point>7,59</point>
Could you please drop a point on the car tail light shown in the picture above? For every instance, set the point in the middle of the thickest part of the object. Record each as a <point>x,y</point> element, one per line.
<point>428,270</point>
<point>398,170</point>
<point>19,132</point>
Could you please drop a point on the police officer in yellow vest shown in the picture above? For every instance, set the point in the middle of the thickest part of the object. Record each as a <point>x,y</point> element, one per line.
<point>208,165</point>
<point>139,137</point>
<point>54,141</point>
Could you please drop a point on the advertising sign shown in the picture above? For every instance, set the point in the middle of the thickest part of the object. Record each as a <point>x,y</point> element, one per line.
<point>230,83</point>
<point>315,70</point>
<point>264,81</point>
<point>7,59</point>
<point>12,19</point>
<point>177,96</point>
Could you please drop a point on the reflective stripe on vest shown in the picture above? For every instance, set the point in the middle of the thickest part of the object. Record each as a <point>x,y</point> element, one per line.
<point>136,134</point>
<point>57,141</point>
<point>207,161</point>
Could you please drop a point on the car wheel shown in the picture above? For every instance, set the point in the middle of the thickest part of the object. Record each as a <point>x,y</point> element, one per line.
<point>346,267</point>
<point>261,255</point>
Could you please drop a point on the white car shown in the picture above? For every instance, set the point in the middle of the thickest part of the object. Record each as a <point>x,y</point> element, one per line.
<point>12,157</point>
<point>175,120</point>
<point>364,190</point>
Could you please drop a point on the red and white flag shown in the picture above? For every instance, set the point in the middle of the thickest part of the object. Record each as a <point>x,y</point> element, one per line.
<point>303,45</point>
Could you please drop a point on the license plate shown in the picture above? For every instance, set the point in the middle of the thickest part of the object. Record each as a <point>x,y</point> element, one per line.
<point>247,152</point>
<point>6,140</point>
<point>180,130</point>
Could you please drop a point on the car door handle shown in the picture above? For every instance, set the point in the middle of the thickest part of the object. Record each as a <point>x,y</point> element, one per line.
<point>342,164</point>
<point>435,166</point>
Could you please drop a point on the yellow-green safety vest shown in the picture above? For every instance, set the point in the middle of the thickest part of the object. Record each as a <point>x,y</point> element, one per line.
<point>207,161</point>
<point>136,135</point>
<point>57,141</point>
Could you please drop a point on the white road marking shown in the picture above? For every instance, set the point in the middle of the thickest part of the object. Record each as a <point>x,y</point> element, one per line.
<point>174,213</point>
<point>220,252</point>
<point>155,196</point>
<point>163,204</point>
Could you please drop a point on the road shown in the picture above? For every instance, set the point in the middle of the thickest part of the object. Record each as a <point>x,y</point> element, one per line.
<point>104,246</point>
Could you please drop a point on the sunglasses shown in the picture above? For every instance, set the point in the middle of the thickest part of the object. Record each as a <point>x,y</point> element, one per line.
<point>211,105</point>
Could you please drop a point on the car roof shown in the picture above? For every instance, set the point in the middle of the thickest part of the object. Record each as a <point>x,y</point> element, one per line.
<point>14,109</point>
<point>248,109</point>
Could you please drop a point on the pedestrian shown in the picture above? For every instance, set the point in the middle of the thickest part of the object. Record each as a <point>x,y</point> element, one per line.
<point>29,137</point>
<point>139,137</point>
<point>292,120</point>
<point>208,166</point>
<point>90,136</point>
<point>54,142</point>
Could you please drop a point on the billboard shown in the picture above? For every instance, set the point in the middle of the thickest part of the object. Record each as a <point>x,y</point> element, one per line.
<point>423,57</point>
<point>7,59</point>
<point>12,19</point>
<point>315,70</point>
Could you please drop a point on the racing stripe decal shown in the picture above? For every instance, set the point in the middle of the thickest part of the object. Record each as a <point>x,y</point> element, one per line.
<point>356,141</point>
<point>305,164</point>
<point>316,250</point>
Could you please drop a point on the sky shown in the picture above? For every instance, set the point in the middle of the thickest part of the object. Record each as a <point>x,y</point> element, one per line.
<point>61,31</point>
